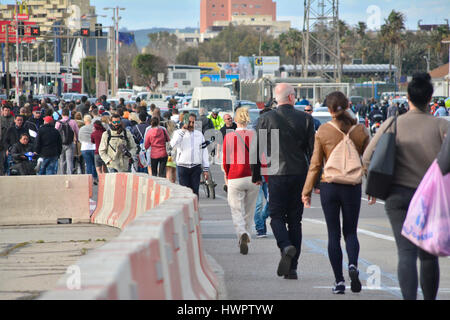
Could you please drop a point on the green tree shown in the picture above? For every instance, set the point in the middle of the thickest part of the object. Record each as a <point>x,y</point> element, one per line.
<point>292,44</point>
<point>148,67</point>
<point>88,66</point>
<point>391,33</point>
<point>190,56</point>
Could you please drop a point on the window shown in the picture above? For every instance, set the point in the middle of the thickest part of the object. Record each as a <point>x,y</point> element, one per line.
<point>179,75</point>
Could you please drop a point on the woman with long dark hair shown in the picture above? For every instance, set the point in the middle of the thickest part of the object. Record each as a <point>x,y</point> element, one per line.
<point>337,197</point>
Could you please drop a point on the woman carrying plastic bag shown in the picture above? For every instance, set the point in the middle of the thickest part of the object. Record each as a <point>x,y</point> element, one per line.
<point>427,224</point>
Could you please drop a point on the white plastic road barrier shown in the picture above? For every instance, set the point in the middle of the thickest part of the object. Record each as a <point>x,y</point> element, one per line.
<point>45,199</point>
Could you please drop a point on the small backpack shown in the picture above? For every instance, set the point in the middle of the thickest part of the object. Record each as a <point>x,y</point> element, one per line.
<point>66,132</point>
<point>344,165</point>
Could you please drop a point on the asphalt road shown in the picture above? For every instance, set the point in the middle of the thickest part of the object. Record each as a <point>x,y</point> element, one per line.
<point>33,258</point>
<point>254,276</point>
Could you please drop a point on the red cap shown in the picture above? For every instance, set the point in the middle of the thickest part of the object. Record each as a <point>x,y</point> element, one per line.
<point>48,119</point>
<point>36,109</point>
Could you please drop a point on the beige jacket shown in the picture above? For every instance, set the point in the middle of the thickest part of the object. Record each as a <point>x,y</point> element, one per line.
<point>327,138</point>
<point>112,155</point>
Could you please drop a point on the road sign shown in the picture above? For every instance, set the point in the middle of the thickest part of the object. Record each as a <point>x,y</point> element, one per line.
<point>22,16</point>
<point>27,37</point>
<point>161,77</point>
<point>68,78</point>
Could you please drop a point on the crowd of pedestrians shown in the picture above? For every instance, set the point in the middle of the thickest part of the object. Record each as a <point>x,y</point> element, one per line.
<point>274,180</point>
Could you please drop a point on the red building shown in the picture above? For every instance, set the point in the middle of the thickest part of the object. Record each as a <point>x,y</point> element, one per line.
<point>224,10</point>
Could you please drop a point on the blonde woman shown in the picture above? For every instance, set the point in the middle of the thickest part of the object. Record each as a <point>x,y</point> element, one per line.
<point>242,193</point>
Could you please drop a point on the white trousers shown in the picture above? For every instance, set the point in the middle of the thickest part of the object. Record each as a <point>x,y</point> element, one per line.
<point>242,195</point>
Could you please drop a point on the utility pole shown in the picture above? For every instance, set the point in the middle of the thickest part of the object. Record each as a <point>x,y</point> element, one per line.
<point>322,16</point>
<point>117,51</point>
<point>17,54</point>
<point>8,77</point>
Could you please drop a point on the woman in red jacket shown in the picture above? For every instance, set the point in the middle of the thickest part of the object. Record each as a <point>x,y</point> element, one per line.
<point>156,139</point>
<point>242,193</point>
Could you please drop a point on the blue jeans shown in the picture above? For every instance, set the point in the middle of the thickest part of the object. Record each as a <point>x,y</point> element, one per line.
<point>49,167</point>
<point>261,214</point>
<point>88,157</point>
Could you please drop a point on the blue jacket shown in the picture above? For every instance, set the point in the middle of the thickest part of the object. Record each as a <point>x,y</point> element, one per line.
<point>441,112</point>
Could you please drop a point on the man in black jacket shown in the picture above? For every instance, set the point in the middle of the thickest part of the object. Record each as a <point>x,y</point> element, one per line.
<point>288,168</point>
<point>48,145</point>
<point>6,122</point>
<point>12,136</point>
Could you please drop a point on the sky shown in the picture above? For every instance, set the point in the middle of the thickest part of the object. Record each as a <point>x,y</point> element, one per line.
<point>143,14</point>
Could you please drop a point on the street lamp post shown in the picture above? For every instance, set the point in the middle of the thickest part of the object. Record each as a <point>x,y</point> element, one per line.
<point>17,53</point>
<point>116,19</point>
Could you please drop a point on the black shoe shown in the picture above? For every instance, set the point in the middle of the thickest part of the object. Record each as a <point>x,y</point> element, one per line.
<point>243,244</point>
<point>355,284</point>
<point>285,263</point>
<point>339,288</point>
<point>292,275</point>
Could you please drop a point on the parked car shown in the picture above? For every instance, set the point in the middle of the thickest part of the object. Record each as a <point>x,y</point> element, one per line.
<point>245,104</point>
<point>322,116</point>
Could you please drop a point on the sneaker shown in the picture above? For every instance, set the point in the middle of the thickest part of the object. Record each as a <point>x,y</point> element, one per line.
<point>261,234</point>
<point>243,244</point>
<point>355,284</point>
<point>292,275</point>
<point>339,288</point>
<point>285,262</point>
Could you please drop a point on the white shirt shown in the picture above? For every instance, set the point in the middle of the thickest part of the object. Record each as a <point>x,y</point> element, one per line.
<point>191,149</point>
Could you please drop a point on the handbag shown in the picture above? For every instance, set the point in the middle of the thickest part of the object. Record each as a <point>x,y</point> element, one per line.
<point>427,223</point>
<point>382,165</point>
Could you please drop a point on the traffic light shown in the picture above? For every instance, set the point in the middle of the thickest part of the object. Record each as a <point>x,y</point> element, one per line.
<point>85,32</point>
<point>21,28</point>
<point>98,30</point>
<point>35,31</point>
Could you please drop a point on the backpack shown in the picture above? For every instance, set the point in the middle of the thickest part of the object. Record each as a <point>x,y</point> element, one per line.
<point>344,165</point>
<point>66,132</point>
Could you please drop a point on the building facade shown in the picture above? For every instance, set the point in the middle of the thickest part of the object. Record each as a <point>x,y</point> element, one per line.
<point>223,10</point>
<point>72,13</point>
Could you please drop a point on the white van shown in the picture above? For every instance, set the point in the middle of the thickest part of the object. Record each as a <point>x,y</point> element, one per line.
<point>212,98</point>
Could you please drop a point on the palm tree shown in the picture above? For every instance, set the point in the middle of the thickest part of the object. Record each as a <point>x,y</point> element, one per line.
<point>391,33</point>
<point>361,29</point>
<point>292,43</point>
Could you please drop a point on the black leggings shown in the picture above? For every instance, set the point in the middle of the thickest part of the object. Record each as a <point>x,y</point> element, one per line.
<point>161,163</point>
<point>396,208</point>
<point>335,197</point>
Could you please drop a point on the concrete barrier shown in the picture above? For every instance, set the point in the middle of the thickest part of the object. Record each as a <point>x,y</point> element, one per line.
<point>38,200</point>
<point>159,253</point>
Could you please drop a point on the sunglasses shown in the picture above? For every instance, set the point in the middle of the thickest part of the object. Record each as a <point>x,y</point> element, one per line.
<point>116,122</point>
<point>308,110</point>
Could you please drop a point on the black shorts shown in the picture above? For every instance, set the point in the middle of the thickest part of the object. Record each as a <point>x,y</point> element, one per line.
<point>98,161</point>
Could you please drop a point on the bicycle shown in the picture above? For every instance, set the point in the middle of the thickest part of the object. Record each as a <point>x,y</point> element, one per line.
<point>209,186</point>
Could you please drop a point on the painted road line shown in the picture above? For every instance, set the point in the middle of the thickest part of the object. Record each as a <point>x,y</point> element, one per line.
<point>362,231</point>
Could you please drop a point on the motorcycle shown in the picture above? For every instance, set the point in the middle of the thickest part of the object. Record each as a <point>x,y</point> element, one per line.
<point>376,124</point>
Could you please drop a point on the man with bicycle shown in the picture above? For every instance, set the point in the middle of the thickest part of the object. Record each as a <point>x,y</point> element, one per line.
<point>192,155</point>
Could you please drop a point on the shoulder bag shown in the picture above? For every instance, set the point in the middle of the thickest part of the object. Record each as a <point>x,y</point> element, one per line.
<point>382,165</point>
